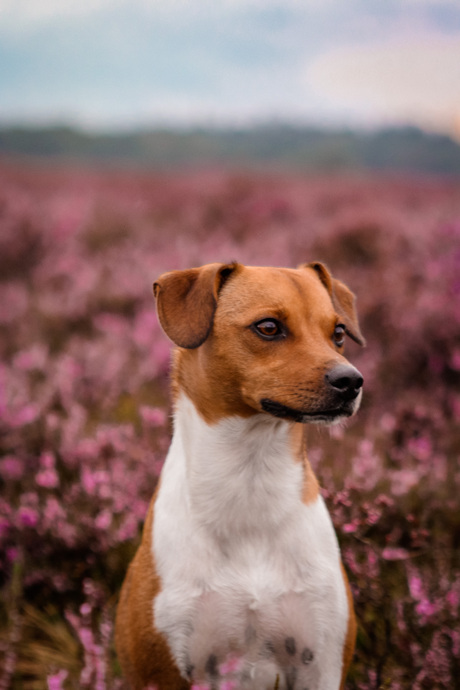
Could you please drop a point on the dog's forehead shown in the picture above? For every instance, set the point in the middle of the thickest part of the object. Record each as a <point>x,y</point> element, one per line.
<point>280,289</point>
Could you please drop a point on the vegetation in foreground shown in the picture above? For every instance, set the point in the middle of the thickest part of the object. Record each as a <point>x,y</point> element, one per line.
<point>84,416</point>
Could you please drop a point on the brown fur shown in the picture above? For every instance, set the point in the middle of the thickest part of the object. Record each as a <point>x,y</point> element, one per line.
<point>310,488</point>
<point>350,640</point>
<point>142,651</point>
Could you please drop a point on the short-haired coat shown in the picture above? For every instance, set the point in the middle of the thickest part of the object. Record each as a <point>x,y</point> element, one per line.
<point>238,581</point>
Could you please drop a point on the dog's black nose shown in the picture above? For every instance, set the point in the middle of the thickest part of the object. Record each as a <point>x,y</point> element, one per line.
<point>346,380</point>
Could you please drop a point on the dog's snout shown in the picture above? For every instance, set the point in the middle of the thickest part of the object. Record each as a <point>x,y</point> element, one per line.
<point>346,380</point>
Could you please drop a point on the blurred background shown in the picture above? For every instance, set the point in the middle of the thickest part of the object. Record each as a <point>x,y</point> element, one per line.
<point>143,136</point>
<point>311,83</point>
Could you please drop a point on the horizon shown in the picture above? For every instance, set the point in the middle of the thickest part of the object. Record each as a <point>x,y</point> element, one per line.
<point>206,127</point>
<point>273,144</point>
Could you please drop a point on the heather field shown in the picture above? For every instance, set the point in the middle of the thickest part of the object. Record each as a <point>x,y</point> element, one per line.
<point>85,415</point>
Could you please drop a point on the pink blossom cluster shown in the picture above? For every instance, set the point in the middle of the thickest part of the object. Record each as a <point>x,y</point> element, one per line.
<point>85,412</point>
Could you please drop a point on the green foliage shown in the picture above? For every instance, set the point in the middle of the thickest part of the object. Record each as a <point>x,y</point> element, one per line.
<point>273,146</point>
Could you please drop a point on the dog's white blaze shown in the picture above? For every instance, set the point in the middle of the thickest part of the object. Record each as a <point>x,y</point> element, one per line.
<point>246,568</point>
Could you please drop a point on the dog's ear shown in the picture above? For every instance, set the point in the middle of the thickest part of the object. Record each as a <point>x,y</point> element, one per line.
<point>343,300</point>
<point>187,301</point>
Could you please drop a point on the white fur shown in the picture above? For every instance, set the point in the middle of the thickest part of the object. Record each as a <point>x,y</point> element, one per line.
<point>245,566</point>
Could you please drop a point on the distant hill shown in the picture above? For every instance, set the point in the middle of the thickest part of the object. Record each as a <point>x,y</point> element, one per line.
<point>302,148</point>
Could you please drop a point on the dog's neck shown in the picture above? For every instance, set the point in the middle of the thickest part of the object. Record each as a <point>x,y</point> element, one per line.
<point>240,475</point>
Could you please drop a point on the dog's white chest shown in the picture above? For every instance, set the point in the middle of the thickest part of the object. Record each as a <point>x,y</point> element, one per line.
<point>251,583</point>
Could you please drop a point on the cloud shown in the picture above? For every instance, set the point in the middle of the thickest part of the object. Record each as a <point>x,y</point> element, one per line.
<point>412,80</point>
<point>27,13</point>
<point>30,12</point>
<point>144,60</point>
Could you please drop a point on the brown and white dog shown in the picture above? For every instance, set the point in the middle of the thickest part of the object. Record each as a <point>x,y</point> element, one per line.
<point>238,581</point>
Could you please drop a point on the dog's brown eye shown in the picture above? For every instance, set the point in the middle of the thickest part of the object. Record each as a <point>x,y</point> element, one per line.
<point>339,335</point>
<point>268,329</point>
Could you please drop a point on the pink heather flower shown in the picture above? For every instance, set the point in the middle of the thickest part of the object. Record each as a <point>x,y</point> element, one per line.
<point>372,564</point>
<point>89,482</point>
<point>33,358</point>
<point>403,481</point>
<point>56,680</point>
<point>421,448</point>
<point>384,500</point>
<point>26,415</point>
<point>416,587</point>
<point>426,609</point>
<point>12,554</point>
<point>350,527</point>
<point>85,609</point>
<point>145,326</point>
<point>437,664</point>
<point>110,323</point>
<point>103,520</point>
<point>28,517</point>
<point>127,529</point>
<point>60,583</point>
<point>14,302</point>
<point>87,639</point>
<point>11,467</point>
<point>53,511</point>
<point>453,599</point>
<point>47,460</point>
<point>455,637</point>
<point>387,422</point>
<point>48,479</point>
<point>455,359</point>
<point>373,517</point>
<point>394,553</point>
<point>440,468</point>
<point>153,416</point>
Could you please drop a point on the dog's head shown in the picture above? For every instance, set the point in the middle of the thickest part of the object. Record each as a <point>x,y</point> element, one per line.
<point>255,339</point>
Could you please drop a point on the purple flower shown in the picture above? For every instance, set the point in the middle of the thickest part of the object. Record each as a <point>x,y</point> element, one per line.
<point>55,681</point>
<point>11,467</point>
<point>394,553</point>
<point>153,416</point>
<point>28,517</point>
<point>47,478</point>
<point>416,586</point>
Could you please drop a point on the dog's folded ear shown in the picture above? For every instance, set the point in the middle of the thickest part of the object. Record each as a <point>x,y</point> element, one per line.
<point>187,301</point>
<point>343,300</point>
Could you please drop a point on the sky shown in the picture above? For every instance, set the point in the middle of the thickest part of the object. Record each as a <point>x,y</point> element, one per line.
<point>117,64</point>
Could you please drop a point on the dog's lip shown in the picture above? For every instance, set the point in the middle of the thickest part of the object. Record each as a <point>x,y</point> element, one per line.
<point>284,412</point>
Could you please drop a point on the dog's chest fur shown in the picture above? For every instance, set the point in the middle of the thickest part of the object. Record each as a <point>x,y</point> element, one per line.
<point>251,578</point>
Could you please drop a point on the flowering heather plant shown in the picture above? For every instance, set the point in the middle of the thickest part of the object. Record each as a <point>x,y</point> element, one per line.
<point>84,411</point>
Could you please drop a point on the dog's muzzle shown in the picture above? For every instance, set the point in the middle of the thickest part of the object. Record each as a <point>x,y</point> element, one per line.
<point>345,381</point>
<point>343,388</point>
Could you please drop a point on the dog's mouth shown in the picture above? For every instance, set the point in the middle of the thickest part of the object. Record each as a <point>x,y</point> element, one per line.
<point>327,416</point>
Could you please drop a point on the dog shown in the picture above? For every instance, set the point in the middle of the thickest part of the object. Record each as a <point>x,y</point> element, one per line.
<point>238,581</point>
